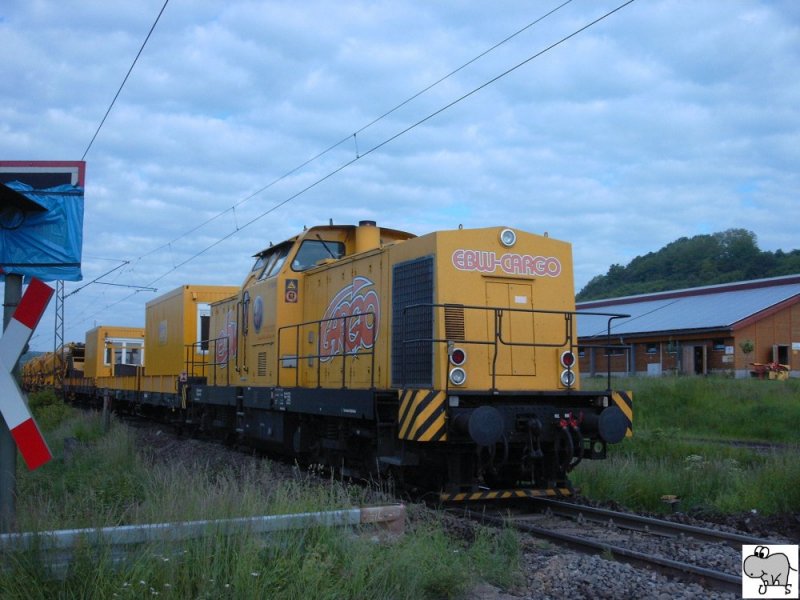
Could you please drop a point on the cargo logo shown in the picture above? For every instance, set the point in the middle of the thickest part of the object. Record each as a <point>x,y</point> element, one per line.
<point>509,263</point>
<point>227,339</point>
<point>347,325</point>
<point>258,313</point>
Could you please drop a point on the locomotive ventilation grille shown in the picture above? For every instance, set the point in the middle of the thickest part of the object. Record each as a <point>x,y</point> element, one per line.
<point>454,322</point>
<point>261,368</point>
<point>412,283</point>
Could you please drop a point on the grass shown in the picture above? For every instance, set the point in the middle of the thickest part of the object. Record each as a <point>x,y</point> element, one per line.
<point>107,480</point>
<point>714,407</point>
<point>314,563</point>
<point>103,479</point>
<point>679,426</point>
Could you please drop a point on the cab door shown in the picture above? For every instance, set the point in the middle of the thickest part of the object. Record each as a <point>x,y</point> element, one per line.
<point>515,327</point>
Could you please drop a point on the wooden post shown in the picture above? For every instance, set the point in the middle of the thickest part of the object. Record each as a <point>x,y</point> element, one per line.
<point>106,411</point>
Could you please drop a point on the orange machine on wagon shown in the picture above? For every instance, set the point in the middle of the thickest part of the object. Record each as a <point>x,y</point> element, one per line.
<point>175,321</point>
<point>142,367</point>
<point>112,356</point>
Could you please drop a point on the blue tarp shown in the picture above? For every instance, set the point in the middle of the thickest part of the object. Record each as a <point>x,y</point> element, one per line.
<point>46,244</point>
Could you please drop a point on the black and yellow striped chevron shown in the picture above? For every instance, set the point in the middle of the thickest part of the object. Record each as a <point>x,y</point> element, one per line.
<point>422,416</point>
<point>625,402</point>
<point>505,494</point>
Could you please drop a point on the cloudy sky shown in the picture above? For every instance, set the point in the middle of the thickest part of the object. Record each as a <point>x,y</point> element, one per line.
<point>666,119</point>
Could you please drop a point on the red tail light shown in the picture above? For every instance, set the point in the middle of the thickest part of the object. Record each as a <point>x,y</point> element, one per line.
<point>458,356</point>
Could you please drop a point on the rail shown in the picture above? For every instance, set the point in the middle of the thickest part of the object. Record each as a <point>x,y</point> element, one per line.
<point>57,548</point>
<point>569,340</point>
<point>650,525</point>
<point>347,344</point>
<point>708,577</point>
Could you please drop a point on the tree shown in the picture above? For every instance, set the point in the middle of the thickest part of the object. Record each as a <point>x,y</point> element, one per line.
<point>731,255</point>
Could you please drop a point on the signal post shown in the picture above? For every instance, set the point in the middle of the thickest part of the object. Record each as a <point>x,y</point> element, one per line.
<point>8,447</point>
<point>39,201</point>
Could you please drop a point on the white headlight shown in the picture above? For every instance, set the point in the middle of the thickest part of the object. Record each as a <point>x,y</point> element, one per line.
<point>508,238</point>
<point>458,376</point>
<point>567,378</point>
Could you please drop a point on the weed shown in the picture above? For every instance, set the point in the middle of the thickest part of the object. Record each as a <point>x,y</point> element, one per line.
<point>678,448</point>
<point>108,481</point>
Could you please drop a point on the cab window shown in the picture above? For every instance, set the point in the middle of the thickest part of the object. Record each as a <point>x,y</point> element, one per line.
<point>261,260</point>
<point>274,260</point>
<point>313,251</point>
<point>269,262</point>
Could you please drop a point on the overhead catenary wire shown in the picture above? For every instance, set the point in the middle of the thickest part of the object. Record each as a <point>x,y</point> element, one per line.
<point>391,139</point>
<point>367,152</point>
<point>354,135</point>
<point>122,85</point>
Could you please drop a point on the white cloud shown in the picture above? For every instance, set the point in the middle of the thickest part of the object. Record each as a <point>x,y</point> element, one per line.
<point>667,119</point>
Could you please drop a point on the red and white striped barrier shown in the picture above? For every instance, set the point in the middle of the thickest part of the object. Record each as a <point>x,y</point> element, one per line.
<point>24,430</point>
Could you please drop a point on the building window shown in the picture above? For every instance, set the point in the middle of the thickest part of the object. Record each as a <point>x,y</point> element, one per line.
<point>719,345</point>
<point>652,348</point>
<point>124,352</point>
<point>203,326</point>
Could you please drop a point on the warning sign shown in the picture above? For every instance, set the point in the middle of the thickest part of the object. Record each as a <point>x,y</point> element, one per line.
<point>290,294</point>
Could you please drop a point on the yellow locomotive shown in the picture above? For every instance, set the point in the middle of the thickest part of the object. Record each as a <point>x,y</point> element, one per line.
<point>446,359</point>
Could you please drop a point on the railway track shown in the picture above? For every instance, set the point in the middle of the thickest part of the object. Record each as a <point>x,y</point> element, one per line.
<point>640,541</point>
<point>651,525</point>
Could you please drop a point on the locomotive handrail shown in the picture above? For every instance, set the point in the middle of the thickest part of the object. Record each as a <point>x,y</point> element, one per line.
<point>611,317</point>
<point>497,334</point>
<point>192,364</point>
<point>318,357</point>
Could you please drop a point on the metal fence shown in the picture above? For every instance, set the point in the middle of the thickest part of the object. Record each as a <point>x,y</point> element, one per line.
<point>57,548</point>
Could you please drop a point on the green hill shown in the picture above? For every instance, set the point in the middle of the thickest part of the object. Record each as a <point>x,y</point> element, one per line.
<point>731,255</point>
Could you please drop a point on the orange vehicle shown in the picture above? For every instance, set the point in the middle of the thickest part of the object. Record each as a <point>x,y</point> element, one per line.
<point>142,366</point>
<point>47,370</point>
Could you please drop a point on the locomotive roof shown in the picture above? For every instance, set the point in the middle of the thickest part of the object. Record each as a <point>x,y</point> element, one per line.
<point>317,228</point>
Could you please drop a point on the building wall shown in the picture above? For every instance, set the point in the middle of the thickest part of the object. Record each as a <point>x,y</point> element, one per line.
<point>781,329</point>
<point>671,355</point>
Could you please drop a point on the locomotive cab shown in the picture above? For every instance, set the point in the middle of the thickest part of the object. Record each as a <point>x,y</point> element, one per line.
<point>281,303</point>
